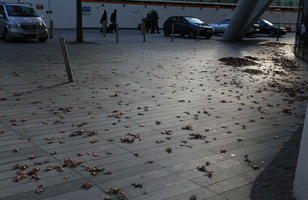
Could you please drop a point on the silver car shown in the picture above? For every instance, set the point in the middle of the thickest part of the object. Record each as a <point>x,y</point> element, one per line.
<point>222,26</point>
<point>21,21</point>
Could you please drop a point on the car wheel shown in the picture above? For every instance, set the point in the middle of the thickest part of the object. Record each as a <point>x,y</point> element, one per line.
<point>6,36</point>
<point>182,35</point>
<point>166,32</point>
<point>272,33</point>
<point>208,37</point>
<point>43,39</point>
<point>192,35</point>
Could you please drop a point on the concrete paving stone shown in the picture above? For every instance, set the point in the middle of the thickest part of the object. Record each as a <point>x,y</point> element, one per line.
<point>201,193</point>
<point>153,185</point>
<point>248,150</point>
<point>19,158</point>
<point>143,178</point>
<point>220,173</point>
<point>155,75</point>
<point>191,164</point>
<point>127,172</point>
<point>228,184</point>
<point>79,194</point>
<point>45,176</point>
<point>241,193</point>
<point>217,197</point>
<point>73,182</point>
<point>169,191</point>
<point>187,157</point>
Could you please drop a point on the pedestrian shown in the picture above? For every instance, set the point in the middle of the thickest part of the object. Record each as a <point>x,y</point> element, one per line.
<point>103,20</point>
<point>148,22</point>
<point>113,20</point>
<point>154,22</point>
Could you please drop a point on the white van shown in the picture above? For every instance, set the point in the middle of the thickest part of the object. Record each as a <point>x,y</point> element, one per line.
<point>21,21</point>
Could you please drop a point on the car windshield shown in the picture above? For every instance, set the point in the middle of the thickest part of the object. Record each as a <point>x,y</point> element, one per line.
<point>267,22</point>
<point>21,11</point>
<point>194,20</point>
<point>225,21</point>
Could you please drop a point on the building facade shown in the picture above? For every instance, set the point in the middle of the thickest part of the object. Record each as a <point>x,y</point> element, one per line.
<point>130,12</point>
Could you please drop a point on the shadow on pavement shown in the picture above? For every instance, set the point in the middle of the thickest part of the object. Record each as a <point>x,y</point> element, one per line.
<point>43,88</point>
<point>276,181</point>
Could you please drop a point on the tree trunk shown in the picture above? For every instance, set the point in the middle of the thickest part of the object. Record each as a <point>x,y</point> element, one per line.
<point>79,34</point>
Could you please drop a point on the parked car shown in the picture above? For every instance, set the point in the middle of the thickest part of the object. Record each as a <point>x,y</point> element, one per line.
<point>267,27</point>
<point>21,21</point>
<point>187,26</point>
<point>222,26</point>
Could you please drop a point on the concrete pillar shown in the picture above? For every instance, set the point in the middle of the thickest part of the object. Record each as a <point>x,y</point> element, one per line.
<point>301,176</point>
<point>239,20</point>
<point>261,6</point>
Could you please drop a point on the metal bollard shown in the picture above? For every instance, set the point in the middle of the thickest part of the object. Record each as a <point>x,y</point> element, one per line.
<point>172,32</point>
<point>104,28</point>
<point>278,32</point>
<point>143,30</point>
<point>66,59</point>
<point>117,33</point>
<point>51,29</point>
<point>37,32</point>
<point>198,32</point>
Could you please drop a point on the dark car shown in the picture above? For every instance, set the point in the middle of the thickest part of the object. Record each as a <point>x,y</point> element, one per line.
<point>188,26</point>
<point>267,27</point>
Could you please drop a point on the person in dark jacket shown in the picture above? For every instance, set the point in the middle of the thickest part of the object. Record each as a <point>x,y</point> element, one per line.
<point>154,22</point>
<point>113,20</point>
<point>148,22</point>
<point>104,19</point>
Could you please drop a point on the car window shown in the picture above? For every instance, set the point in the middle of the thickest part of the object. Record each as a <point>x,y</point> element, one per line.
<point>2,10</point>
<point>194,20</point>
<point>181,20</point>
<point>260,22</point>
<point>172,19</point>
<point>267,22</point>
<point>21,11</point>
<point>225,21</point>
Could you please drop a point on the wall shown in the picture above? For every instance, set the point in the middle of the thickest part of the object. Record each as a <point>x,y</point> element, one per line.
<point>64,13</point>
<point>130,15</point>
<point>300,188</point>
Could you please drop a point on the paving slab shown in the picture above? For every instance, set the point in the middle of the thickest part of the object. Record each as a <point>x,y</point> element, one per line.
<point>145,112</point>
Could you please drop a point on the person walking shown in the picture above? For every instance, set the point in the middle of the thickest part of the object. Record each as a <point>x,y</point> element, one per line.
<point>103,20</point>
<point>113,20</point>
<point>148,22</point>
<point>154,22</point>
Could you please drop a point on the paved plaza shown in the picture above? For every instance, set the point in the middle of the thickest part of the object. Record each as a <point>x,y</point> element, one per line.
<point>159,120</point>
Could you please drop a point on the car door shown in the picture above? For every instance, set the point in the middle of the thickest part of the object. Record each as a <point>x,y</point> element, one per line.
<point>168,24</point>
<point>181,26</point>
<point>262,27</point>
<point>2,20</point>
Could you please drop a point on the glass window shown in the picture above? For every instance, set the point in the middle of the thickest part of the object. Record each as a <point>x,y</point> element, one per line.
<point>225,21</point>
<point>267,22</point>
<point>21,11</point>
<point>181,20</point>
<point>172,19</point>
<point>194,20</point>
